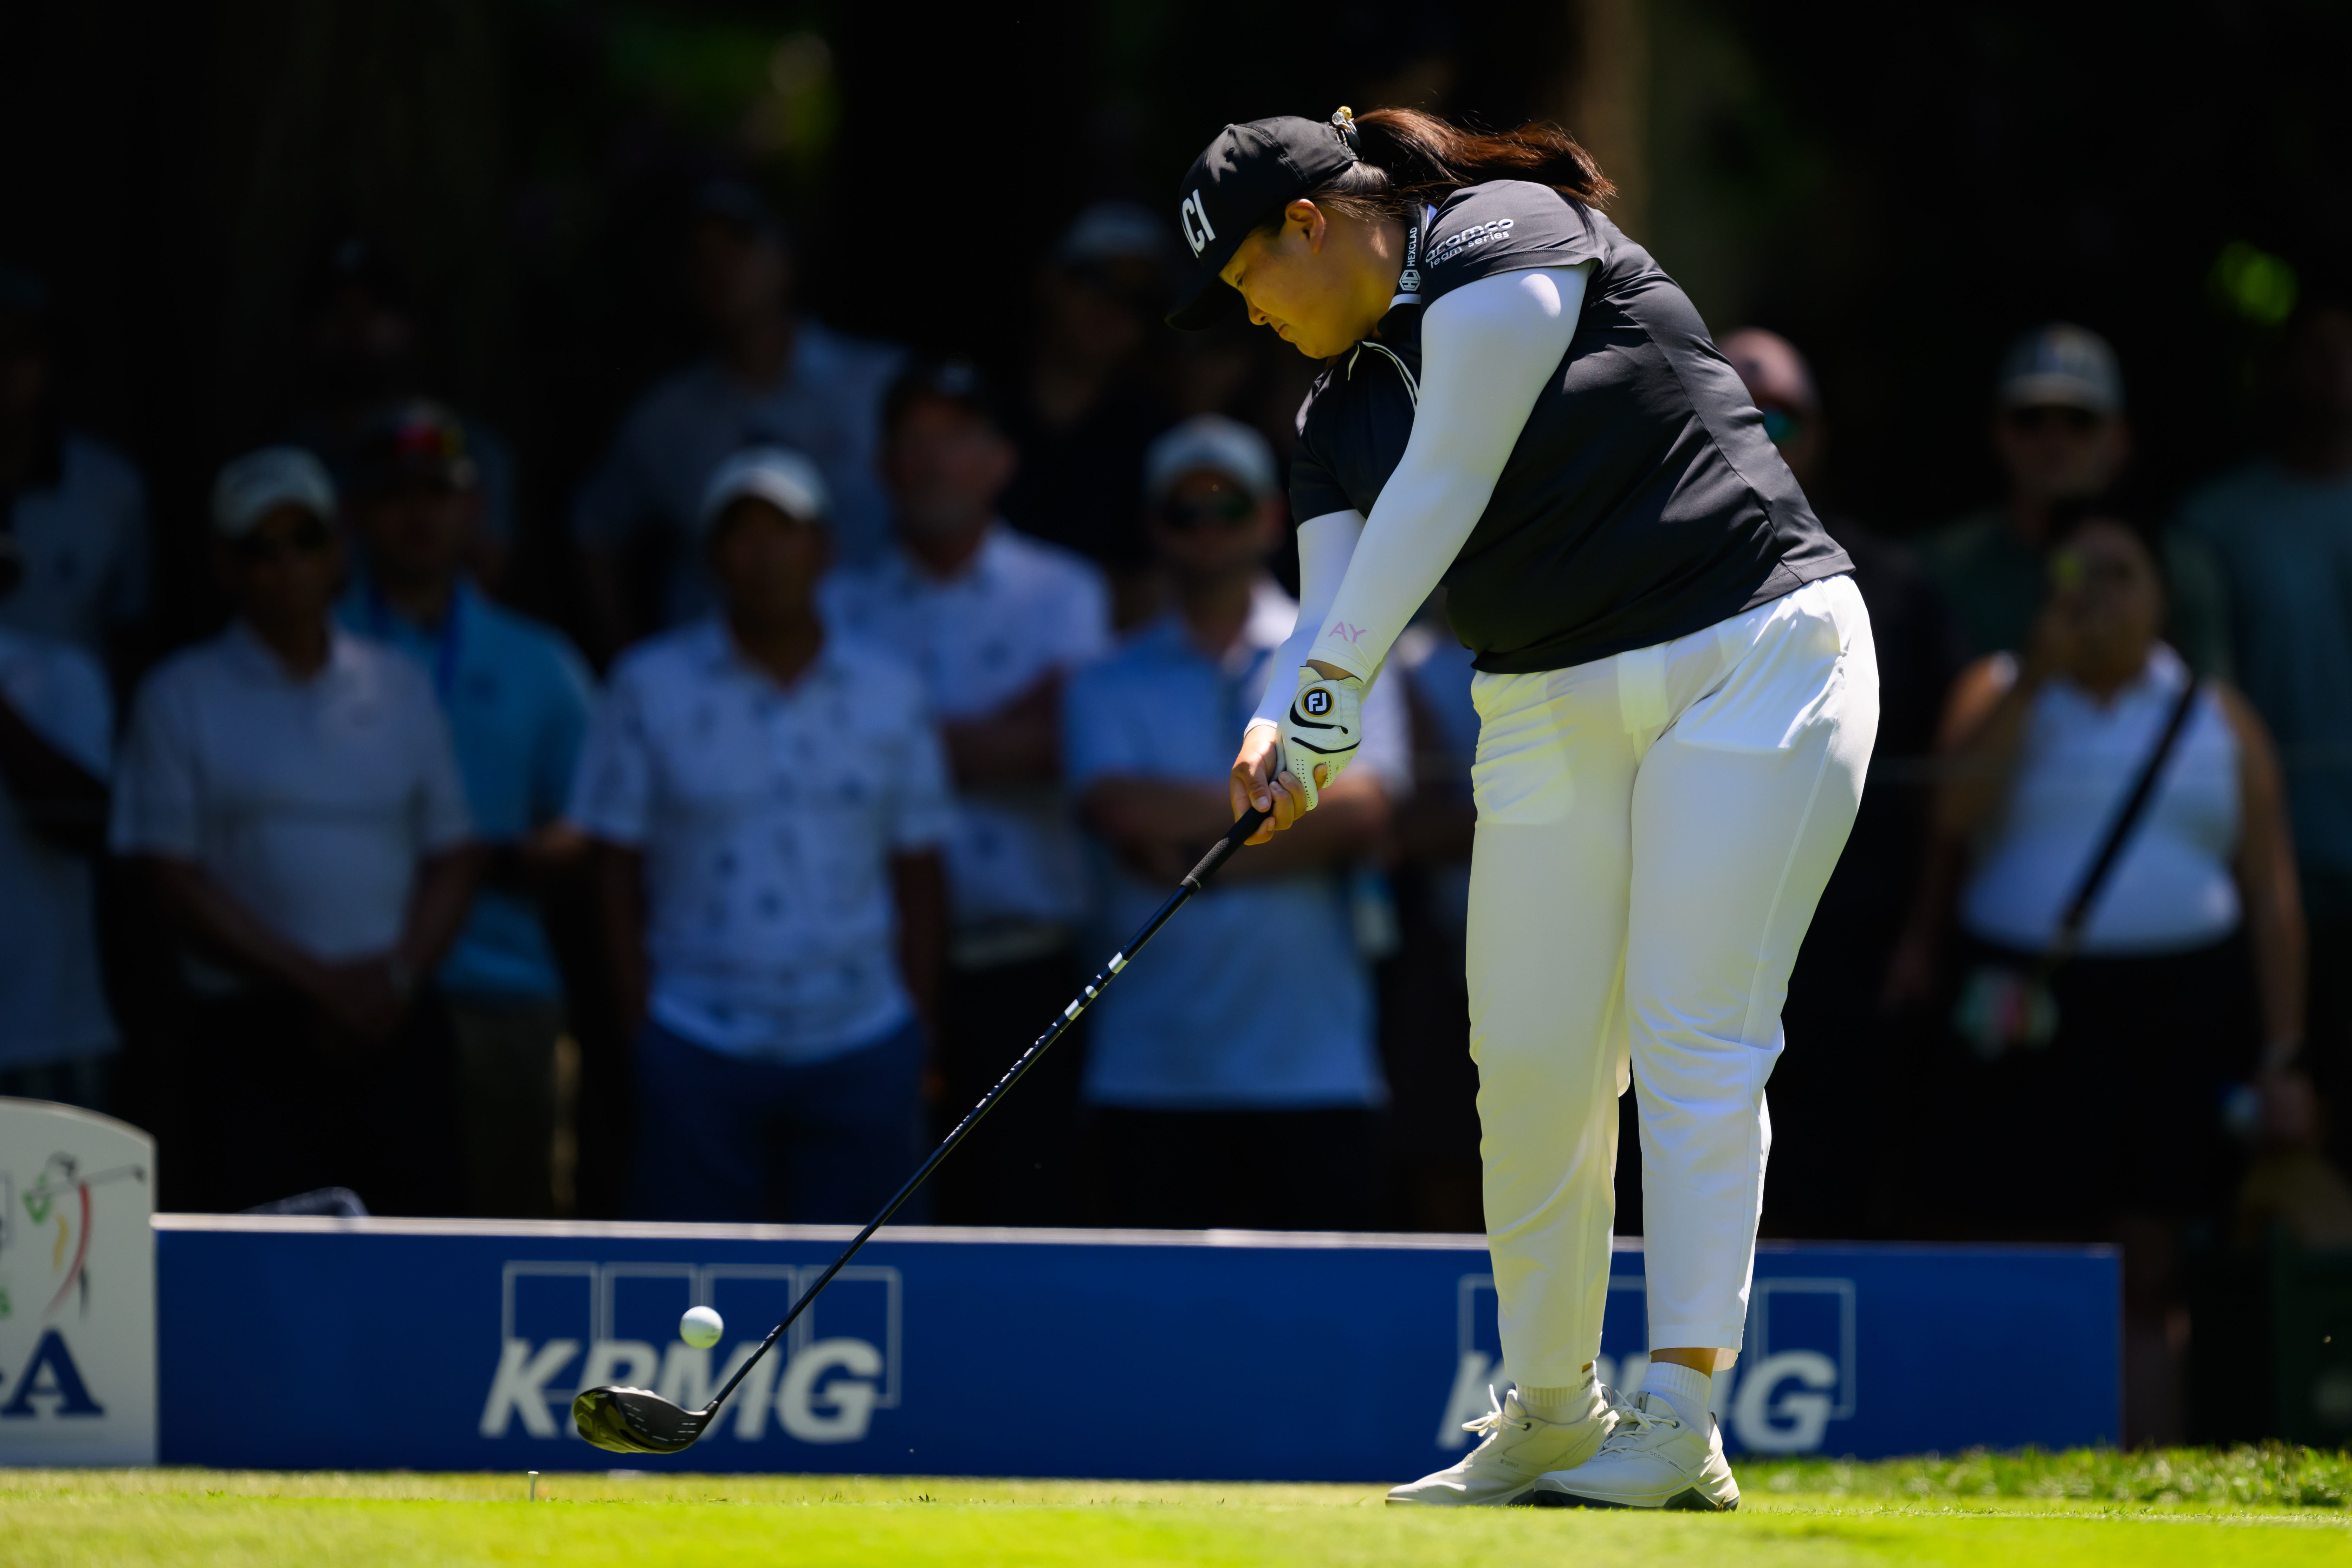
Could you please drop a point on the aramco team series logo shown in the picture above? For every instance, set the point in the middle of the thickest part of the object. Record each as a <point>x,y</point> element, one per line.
<point>1795,1375</point>
<point>569,1326</point>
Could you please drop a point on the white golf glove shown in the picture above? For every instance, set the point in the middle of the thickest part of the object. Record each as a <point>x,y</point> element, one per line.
<point>1324,725</point>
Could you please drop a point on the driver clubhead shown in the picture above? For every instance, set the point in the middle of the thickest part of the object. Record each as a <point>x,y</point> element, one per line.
<point>636,1421</point>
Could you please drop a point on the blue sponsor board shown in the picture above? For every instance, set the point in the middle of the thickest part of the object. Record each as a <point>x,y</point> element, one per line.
<point>456,1345</point>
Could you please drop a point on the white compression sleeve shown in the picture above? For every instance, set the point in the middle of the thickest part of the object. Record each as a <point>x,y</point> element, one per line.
<point>1326,545</point>
<point>1486,351</point>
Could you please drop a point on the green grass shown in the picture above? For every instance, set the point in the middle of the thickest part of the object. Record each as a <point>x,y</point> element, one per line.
<point>2270,1506</point>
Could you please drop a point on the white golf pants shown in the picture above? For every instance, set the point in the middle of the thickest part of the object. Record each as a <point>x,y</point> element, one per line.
<point>1655,830</point>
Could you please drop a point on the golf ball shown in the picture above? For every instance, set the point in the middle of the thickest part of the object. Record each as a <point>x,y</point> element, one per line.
<point>701,1327</point>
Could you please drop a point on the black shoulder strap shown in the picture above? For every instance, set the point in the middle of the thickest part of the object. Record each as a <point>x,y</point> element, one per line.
<point>2135,806</point>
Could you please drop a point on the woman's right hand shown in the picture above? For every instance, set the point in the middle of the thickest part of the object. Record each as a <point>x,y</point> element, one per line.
<point>1258,782</point>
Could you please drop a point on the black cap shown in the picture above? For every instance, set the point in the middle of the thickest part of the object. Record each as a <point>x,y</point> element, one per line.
<point>1247,173</point>
<point>414,440</point>
<point>954,381</point>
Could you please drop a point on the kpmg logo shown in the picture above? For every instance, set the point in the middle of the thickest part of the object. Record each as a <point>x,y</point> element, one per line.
<point>1795,1375</point>
<point>564,1327</point>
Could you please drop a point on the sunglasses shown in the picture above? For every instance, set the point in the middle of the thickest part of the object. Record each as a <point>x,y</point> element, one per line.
<point>306,538</point>
<point>2052,417</point>
<point>1225,508</point>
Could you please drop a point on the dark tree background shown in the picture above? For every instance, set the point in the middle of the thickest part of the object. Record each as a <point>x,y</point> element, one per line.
<point>1899,188</point>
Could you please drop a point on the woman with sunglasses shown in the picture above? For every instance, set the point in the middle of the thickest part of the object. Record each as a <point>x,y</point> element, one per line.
<point>1676,695</point>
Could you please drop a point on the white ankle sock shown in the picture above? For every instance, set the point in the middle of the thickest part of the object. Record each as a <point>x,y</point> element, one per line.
<point>1686,1388</point>
<point>1571,1404</point>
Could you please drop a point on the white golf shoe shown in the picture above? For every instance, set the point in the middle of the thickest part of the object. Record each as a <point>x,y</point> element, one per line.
<point>1515,1448</point>
<point>1650,1459</point>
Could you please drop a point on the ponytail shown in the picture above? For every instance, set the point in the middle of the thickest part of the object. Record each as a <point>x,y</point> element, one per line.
<point>1408,159</point>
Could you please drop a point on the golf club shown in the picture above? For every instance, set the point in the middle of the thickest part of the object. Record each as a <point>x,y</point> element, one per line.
<point>639,1421</point>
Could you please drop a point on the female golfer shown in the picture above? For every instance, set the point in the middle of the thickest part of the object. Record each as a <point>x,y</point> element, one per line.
<point>1676,696</point>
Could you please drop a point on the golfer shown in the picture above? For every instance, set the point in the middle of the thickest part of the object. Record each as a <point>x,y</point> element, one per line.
<point>1676,697</point>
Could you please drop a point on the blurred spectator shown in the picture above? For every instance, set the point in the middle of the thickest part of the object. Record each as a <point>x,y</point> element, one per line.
<point>772,377</point>
<point>1209,1111</point>
<point>2281,527</point>
<point>1085,410</point>
<point>2105,1088</point>
<point>2292,1185</point>
<point>291,793</point>
<point>1432,1135</point>
<point>769,801</point>
<point>994,621</point>
<point>363,348</point>
<point>1832,1085</point>
<point>517,700</point>
<point>2059,430</point>
<point>76,506</point>
<point>56,728</point>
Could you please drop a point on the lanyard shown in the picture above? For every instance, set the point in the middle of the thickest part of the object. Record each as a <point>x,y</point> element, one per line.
<point>448,638</point>
<point>1409,280</point>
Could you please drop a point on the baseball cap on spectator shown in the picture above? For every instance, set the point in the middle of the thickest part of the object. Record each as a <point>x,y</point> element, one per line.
<point>1217,443</point>
<point>414,440</point>
<point>784,479</point>
<point>1114,231</point>
<point>1120,248</point>
<point>2060,365</point>
<point>941,381</point>
<point>253,486</point>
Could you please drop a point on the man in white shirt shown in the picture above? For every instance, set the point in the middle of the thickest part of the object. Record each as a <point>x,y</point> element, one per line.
<point>56,728</point>
<point>994,621</point>
<point>291,794</point>
<point>768,800</point>
<point>1209,1111</point>
<point>774,378</point>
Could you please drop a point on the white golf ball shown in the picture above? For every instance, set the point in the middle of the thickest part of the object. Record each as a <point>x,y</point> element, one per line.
<point>701,1327</point>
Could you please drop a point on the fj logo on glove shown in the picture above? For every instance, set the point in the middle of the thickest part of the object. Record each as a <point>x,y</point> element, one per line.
<point>1319,702</point>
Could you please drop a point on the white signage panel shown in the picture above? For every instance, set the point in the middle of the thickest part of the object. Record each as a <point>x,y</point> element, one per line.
<point>77,1287</point>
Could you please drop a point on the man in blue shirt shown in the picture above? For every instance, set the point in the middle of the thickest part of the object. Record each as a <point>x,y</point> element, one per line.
<point>1210,1109</point>
<point>517,701</point>
<point>2281,529</point>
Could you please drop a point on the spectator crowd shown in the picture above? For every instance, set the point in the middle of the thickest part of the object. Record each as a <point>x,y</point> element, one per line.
<point>918,687</point>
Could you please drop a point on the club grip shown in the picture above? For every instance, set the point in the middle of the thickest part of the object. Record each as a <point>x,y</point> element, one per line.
<point>1223,849</point>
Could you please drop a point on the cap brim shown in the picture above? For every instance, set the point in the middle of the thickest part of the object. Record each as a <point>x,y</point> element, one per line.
<point>1211,302</point>
<point>2057,390</point>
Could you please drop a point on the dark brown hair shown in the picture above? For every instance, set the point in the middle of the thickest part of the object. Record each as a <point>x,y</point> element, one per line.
<point>2069,517</point>
<point>1408,159</point>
